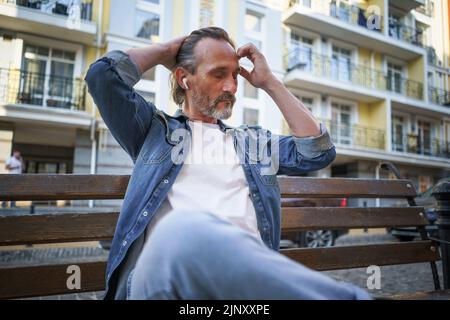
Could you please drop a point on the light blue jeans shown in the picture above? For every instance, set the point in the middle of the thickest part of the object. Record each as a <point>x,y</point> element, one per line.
<point>192,255</point>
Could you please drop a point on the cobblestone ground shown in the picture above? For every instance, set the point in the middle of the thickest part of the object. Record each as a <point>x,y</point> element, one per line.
<point>394,279</point>
<point>397,279</point>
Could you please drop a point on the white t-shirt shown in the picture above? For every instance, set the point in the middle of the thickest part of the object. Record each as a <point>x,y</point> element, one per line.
<point>15,164</point>
<point>211,180</point>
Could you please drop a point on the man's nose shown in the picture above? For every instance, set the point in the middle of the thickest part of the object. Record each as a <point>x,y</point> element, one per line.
<point>230,85</point>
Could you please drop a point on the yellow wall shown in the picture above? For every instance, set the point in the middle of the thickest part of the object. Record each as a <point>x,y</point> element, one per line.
<point>416,69</point>
<point>371,116</point>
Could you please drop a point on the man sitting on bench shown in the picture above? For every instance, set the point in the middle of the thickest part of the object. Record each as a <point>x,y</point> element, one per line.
<point>201,216</point>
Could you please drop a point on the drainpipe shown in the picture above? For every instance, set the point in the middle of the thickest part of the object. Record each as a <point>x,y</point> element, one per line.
<point>94,108</point>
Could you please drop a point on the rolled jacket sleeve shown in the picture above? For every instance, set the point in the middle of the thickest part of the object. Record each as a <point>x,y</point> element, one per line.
<point>127,69</point>
<point>312,147</point>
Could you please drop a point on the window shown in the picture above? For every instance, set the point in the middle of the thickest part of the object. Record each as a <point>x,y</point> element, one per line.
<point>341,64</point>
<point>251,116</point>
<point>307,101</point>
<point>253,26</point>
<point>48,77</point>
<point>395,26</point>
<point>394,78</point>
<point>341,123</point>
<point>424,137</point>
<point>250,91</point>
<point>147,25</point>
<point>301,52</point>
<point>398,133</point>
<point>206,13</point>
<point>252,21</point>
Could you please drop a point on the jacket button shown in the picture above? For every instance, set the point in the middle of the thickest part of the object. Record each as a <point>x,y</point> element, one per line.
<point>145,213</point>
<point>166,181</point>
<point>124,243</point>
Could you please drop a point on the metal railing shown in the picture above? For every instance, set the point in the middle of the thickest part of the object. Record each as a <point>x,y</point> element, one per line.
<point>413,143</point>
<point>356,135</point>
<point>56,7</point>
<point>21,87</point>
<point>342,70</point>
<point>351,14</point>
<point>400,31</point>
<point>439,96</point>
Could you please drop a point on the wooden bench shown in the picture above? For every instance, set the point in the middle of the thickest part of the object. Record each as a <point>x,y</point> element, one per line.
<point>41,280</point>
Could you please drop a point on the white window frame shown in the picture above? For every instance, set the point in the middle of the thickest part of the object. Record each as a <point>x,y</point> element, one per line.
<point>151,8</point>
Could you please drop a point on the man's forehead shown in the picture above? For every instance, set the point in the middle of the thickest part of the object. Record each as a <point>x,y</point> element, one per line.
<point>216,53</point>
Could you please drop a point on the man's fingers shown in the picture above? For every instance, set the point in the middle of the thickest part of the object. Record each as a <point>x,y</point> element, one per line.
<point>244,72</point>
<point>248,51</point>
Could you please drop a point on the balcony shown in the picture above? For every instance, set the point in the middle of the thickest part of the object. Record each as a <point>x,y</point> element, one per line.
<point>18,87</point>
<point>348,22</point>
<point>439,96</point>
<point>356,136</point>
<point>50,17</point>
<point>345,76</point>
<point>415,144</point>
<point>414,36</point>
<point>407,5</point>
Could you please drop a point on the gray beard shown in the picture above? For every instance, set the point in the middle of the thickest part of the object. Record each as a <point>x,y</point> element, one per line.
<point>209,109</point>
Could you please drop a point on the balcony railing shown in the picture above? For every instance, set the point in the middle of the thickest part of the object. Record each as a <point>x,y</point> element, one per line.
<point>356,135</point>
<point>415,144</point>
<point>343,71</point>
<point>351,14</point>
<point>57,7</point>
<point>439,96</point>
<point>400,31</point>
<point>21,87</point>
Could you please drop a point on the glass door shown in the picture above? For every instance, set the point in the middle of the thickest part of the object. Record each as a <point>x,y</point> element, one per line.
<point>424,143</point>
<point>32,77</point>
<point>398,134</point>
<point>61,81</point>
<point>394,78</point>
<point>302,51</point>
<point>341,64</point>
<point>341,125</point>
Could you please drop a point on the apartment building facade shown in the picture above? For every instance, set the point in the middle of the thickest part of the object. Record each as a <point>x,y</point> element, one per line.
<point>375,71</point>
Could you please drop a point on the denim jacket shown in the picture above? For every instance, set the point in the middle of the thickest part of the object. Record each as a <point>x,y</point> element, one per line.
<point>148,136</point>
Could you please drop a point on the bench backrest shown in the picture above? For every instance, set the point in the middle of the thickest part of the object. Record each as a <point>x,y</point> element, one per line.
<point>40,280</point>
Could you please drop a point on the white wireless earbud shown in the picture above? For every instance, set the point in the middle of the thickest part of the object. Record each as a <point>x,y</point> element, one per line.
<point>185,84</point>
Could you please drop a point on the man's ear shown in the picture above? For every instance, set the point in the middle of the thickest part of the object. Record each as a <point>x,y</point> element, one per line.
<point>180,73</point>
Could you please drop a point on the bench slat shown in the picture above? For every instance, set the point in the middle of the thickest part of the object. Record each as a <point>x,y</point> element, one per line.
<point>79,187</point>
<point>74,227</point>
<point>303,218</point>
<point>300,187</point>
<point>31,281</point>
<point>358,256</point>
<point>47,280</point>
<point>62,187</point>
<point>57,228</point>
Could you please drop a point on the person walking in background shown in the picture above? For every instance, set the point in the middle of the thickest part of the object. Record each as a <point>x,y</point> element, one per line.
<point>14,165</point>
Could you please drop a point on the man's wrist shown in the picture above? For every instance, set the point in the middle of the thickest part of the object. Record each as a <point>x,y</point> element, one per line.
<point>273,85</point>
